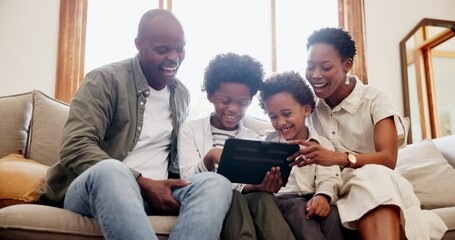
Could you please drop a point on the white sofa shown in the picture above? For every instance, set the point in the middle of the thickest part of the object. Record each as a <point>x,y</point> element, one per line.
<point>430,167</point>
<point>33,122</point>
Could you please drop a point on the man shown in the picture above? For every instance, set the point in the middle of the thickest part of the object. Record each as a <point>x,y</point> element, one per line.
<point>119,143</point>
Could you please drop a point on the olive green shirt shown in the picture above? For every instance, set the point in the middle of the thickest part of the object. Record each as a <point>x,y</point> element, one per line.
<point>104,122</point>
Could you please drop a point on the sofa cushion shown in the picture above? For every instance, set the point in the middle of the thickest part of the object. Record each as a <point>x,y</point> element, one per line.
<point>45,222</point>
<point>447,215</point>
<point>446,147</point>
<point>16,112</point>
<point>49,117</point>
<point>20,180</point>
<point>429,173</point>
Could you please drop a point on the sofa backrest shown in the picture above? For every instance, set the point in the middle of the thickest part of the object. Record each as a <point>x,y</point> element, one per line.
<point>34,124</point>
<point>16,115</point>
<point>259,126</point>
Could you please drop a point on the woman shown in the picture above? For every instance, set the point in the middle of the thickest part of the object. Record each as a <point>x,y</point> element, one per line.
<point>358,119</point>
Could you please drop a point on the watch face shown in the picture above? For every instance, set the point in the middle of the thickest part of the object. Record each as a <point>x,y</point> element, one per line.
<point>352,159</point>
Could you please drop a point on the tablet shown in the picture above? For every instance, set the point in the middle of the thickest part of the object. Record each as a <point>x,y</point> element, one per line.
<point>247,161</point>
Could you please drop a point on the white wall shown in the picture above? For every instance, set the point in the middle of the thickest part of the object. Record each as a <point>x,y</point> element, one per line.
<point>28,45</point>
<point>387,23</point>
<point>29,33</point>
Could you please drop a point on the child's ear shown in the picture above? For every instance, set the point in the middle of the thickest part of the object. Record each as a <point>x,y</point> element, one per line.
<point>307,108</point>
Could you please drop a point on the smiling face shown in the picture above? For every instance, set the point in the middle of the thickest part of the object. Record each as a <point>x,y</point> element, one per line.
<point>287,115</point>
<point>326,72</point>
<point>231,100</point>
<point>161,46</point>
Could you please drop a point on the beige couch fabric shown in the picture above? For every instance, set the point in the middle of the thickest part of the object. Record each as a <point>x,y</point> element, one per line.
<point>49,116</point>
<point>432,177</point>
<point>44,222</point>
<point>447,147</point>
<point>15,113</point>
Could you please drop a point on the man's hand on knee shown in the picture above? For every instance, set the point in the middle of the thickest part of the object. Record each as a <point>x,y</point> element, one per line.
<point>158,194</point>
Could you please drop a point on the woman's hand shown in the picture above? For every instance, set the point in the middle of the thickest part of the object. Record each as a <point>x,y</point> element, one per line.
<point>313,153</point>
<point>271,183</point>
<point>319,206</point>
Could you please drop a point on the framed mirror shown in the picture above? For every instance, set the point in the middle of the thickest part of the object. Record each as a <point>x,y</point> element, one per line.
<point>428,75</point>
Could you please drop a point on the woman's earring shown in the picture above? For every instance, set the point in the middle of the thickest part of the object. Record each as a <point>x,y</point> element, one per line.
<point>346,80</point>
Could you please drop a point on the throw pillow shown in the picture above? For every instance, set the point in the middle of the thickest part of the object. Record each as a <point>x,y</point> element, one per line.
<point>49,116</point>
<point>429,173</point>
<point>20,180</point>
<point>445,145</point>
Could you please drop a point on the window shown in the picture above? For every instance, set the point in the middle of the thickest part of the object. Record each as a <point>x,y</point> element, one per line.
<point>212,27</point>
<point>274,32</point>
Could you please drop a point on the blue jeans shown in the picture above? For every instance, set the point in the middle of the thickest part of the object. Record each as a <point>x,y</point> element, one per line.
<point>109,193</point>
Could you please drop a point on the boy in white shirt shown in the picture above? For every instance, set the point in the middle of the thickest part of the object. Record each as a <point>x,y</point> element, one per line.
<point>307,201</point>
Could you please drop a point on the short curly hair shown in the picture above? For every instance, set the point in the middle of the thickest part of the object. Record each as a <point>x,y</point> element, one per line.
<point>337,37</point>
<point>289,82</point>
<point>232,67</point>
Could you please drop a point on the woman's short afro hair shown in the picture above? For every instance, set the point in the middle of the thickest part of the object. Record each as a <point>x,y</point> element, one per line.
<point>337,37</point>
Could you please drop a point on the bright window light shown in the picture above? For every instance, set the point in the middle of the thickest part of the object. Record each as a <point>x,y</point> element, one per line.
<point>212,27</point>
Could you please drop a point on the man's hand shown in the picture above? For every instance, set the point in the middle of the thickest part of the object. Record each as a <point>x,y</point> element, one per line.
<point>158,194</point>
<point>271,183</point>
<point>318,205</point>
